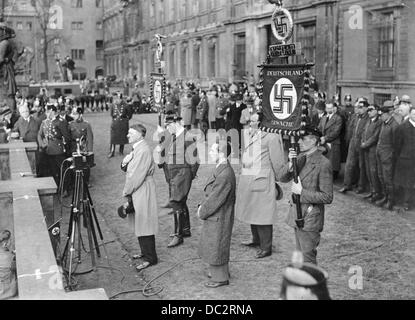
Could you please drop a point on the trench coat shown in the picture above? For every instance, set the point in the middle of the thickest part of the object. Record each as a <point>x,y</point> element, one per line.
<point>405,152</point>
<point>332,130</point>
<point>217,212</point>
<point>140,186</point>
<point>317,181</point>
<point>262,158</point>
<point>120,114</point>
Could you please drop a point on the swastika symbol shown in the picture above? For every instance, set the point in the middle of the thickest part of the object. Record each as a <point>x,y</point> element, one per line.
<point>282,27</point>
<point>283,98</point>
<point>284,101</point>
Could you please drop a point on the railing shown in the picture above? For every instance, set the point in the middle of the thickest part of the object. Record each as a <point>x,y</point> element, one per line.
<point>27,203</point>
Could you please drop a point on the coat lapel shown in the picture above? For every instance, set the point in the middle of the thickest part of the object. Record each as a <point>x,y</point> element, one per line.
<point>255,138</point>
<point>217,172</point>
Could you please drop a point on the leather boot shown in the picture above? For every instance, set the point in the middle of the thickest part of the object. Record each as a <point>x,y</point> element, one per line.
<point>121,149</point>
<point>389,205</point>
<point>178,230</point>
<point>382,201</point>
<point>112,151</point>
<point>186,223</point>
<point>375,197</point>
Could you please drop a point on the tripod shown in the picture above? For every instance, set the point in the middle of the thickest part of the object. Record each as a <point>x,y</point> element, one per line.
<point>82,206</point>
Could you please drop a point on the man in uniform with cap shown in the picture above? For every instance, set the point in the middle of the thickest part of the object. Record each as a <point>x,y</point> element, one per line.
<point>180,168</point>
<point>315,188</point>
<point>369,143</point>
<point>385,154</point>
<point>52,137</point>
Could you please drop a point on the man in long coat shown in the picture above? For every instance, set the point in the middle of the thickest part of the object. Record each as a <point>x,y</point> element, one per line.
<point>385,154</point>
<point>256,202</point>
<point>370,139</point>
<point>331,127</point>
<point>355,169</point>
<point>186,109</point>
<point>121,113</point>
<point>212,102</point>
<point>217,212</point>
<point>315,188</point>
<point>405,153</point>
<point>140,186</point>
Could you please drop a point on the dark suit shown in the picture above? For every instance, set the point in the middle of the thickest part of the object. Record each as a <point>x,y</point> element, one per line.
<point>405,153</point>
<point>331,129</point>
<point>217,212</point>
<point>370,139</point>
<point>386,157</point>
<point>317,181</point>
<point>355,169</point>
<point>27,129</point>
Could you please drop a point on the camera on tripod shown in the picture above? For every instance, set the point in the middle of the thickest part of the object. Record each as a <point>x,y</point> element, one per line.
<point>82,160</point>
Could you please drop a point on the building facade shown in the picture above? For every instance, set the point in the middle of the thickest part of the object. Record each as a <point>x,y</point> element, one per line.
<point>75,29</point>
<point>219,40</point>
<point>377,51</point>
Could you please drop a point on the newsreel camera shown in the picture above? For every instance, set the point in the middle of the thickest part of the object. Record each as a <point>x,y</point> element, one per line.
<point>82,160</point>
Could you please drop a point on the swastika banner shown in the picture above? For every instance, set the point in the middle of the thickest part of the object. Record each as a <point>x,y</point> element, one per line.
<point>283,88</point>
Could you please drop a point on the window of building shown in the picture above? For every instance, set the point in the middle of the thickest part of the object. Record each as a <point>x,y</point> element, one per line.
<point>29,25</point>
<point>76,3</point>
<point>77,25</point>
<point>212,58</point>
<point>240,55</point>
<point>99,45</point>
<point>56,41</point>
<point>98,3</point>
<point>380,98</point>
<point>306,35</point>
<point>99,25</point>
<point>172,62</point>
<point>19,25</point>
<point>78,54</point>
<point>386,41</point>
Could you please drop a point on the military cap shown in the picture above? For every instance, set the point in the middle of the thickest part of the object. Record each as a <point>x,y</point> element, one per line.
<point>79,110</point>
<point>171,117</point>
<point>406,98</point>
<point>348,98</point>
<point>311,130</point>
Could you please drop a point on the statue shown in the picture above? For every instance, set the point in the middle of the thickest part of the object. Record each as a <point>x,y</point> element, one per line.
<point>7,77</point>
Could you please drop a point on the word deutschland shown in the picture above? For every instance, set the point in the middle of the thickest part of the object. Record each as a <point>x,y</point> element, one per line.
<point>285,73</point>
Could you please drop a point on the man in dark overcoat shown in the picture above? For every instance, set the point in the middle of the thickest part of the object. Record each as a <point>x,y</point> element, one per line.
<point>385,154</point>
<point>180,166</point>
<point>331,127</point>
<point>370,139</point>
<point>217,212</point>
<point>405,153</point>
<point>355,169</point>
<point>315,188</point>
<point>121,113</point>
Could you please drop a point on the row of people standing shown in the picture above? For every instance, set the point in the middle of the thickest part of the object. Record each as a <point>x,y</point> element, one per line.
<point>381,153</point>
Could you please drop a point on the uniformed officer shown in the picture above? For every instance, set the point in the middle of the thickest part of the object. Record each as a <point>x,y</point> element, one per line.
<point>121,113</point>
<point>385,154</point>
<point>181,169</point>
<point>52,136</point>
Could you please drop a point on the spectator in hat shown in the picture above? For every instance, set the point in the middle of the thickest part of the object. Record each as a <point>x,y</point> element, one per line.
<point>70,66</point>
<point>370,138</point>
<point>315,188</point>
<point>355,169</point>
<point>405,154</point>
<point>223,104</point>
<point>404,108</point>
<point>26,126</point>
<point>186,109</point>
<point>318,112</point>
<point>194,103</point>
<point>385,154</point>
<point>140,187</point>
<point>331,127</point>
<point>202,112</point>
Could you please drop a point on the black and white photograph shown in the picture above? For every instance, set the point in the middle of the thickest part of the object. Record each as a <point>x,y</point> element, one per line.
<point>207,156</point>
